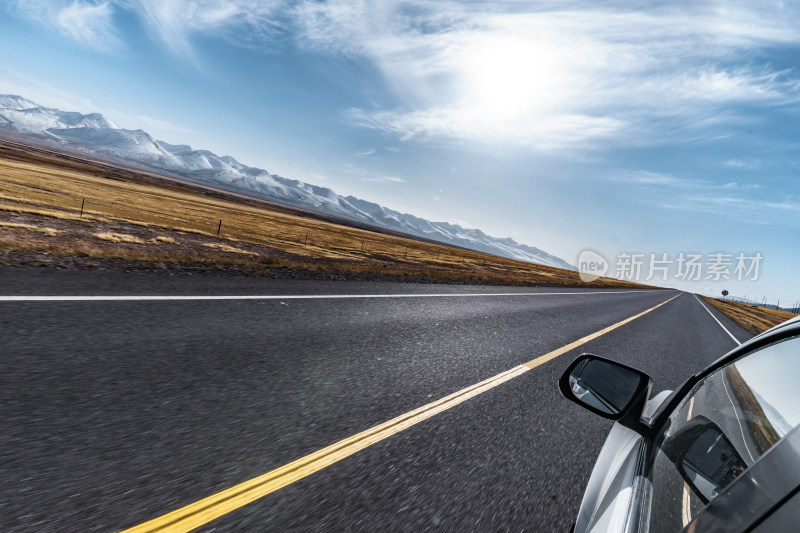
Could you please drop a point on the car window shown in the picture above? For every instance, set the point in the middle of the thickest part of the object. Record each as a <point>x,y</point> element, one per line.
<point>726,422</point>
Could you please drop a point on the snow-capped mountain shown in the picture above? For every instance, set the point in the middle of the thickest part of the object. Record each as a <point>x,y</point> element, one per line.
<point>95,134</point>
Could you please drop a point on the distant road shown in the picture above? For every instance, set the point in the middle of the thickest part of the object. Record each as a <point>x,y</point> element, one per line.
<point>119,411</point>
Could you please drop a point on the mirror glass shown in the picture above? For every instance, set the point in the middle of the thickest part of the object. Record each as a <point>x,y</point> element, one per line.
<point>603,385</point>
<point>711,462</point>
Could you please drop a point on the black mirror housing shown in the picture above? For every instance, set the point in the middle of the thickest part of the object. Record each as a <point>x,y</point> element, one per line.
<point>607,388</point>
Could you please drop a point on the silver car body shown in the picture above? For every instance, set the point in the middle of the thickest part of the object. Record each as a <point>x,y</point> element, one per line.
<point>618,497</point>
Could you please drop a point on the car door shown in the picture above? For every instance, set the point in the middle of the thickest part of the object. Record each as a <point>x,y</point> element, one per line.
<point>719,442</point>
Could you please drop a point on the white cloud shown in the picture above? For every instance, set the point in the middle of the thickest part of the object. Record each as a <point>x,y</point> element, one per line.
<point>172,22</point>
<point>473,124</point>
<point>386,179</point>
<point>368,175</point>
<point>741,164</point>
<point>89,24</point>
<point>645,177</point>
<point>42,11</point>
<point>741,186</point>
<point>748,209</point>
<point>746,202</point>
<point>786,205</point>
<point>366,153</point>
<point>556,75</point>
<point>175,22</point>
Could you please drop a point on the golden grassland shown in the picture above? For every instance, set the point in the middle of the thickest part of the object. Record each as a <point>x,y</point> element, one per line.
<point>41,229</point>
<point>118,237</point>
<point>227,248</point>
<point>104,211</point>
<point>753,318</point>
<point>163,239</point>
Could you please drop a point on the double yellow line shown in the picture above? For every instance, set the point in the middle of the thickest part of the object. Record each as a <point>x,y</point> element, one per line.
<point>201,512</point>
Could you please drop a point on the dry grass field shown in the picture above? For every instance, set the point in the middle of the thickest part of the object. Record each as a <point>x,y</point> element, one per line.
<point>753,318</point>
<point>59,205</point>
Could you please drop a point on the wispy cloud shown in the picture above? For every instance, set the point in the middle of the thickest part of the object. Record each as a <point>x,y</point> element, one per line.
<point>557,75</point>
<point>386,179</point>
<point>90,24</point>
<point>369,175</point>
<point>750,203</point>
<point>669,181</point>
<point>743,209</point>
<point>644,177</point>
<point>732,185</point>
<point>366,153</point>
<point>474,124</point>
<point>176,22</point>
<point>741,164</point>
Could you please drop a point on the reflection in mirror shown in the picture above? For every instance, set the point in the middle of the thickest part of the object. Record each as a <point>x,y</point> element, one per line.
<point>603,385</point>
<point>710,462</point>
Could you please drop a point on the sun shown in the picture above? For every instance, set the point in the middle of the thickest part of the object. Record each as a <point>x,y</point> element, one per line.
<point>509,77</point>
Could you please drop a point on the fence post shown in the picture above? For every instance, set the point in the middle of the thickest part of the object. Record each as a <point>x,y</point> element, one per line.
<point>362,245</point>
<point>219,228</point>
<point>83,202</point>
<point>306,241</point>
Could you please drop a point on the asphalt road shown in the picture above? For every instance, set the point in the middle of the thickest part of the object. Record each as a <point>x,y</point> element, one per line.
<point>117,412</point>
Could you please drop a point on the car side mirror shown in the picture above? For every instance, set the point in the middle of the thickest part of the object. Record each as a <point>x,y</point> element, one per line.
<point>705,458</point>
<point>607,388</point>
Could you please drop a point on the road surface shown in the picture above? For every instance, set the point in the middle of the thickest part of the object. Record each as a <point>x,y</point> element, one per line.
<point>117,411</point>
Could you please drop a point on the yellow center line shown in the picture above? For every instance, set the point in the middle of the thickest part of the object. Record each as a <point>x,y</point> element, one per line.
<point>204,511</point>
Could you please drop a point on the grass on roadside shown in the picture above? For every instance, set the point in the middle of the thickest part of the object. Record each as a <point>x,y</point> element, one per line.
<point>753,318</point>
<point>41,229</point>
<point>227,248</point>
<point>118,237</point>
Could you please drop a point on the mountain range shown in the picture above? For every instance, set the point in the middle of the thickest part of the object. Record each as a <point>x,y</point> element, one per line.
<point>96,135</point>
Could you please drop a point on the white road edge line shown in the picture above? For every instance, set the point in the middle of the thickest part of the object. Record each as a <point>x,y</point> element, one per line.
<point>738,419</point>
<point>718,322</point>
<point>284,297</point>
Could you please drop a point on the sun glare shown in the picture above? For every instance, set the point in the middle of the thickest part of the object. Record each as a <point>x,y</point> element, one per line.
<point>507,78</point>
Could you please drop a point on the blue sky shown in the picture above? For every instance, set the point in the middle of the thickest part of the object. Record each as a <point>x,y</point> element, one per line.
<point>564,125</point>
